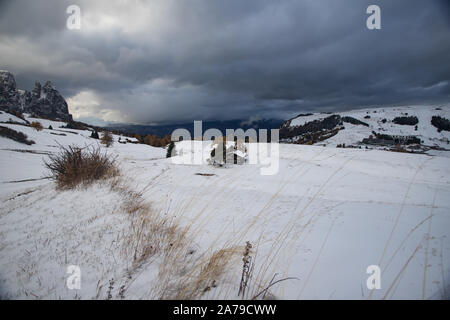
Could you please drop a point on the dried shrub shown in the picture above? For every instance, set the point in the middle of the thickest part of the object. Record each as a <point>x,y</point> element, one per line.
<point>15,135</point>
<point>36,125</point>
<point>73,166</point>
<point>107,139</point>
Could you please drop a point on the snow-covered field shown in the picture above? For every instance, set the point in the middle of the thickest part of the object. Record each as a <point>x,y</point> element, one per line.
<point>353,134</point>
<point>324,218</point>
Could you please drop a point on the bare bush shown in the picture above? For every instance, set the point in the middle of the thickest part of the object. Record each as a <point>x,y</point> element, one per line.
<point>73,166</point>
<point>36,125</point>
<point>107,139</point>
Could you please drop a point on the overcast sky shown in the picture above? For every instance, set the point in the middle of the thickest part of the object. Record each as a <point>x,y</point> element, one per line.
<point>161,61</point>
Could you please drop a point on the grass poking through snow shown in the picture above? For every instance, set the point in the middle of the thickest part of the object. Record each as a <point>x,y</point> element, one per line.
<point>73,166</point>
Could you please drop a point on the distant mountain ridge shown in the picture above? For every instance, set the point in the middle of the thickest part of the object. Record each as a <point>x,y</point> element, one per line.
<point>162,130</point>
<point>44,101</point>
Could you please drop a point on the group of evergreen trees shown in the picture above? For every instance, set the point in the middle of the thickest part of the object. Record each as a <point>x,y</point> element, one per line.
<point>440,123</point>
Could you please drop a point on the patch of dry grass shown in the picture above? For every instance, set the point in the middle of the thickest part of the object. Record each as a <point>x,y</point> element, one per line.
<point>192,280</point>
<point>73,166</point>
<point>182,272</point>
<point>36,125</point>
<point>157,238</point>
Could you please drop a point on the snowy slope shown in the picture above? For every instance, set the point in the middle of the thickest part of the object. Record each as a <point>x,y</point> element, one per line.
<point>324,218</point>
<point>7,117</point>
<point>353,134</point>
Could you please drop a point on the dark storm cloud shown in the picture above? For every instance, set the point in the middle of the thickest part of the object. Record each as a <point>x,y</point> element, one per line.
<point>172,60</point>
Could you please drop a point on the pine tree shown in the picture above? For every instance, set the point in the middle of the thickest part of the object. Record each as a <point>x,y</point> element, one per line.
<point>94,135</point>
<point>170,149</point>
<point>50,127</point>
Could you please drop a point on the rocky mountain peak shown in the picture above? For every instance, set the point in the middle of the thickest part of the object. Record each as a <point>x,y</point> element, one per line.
<point>36,92</point>
<point>43,101</point>
<point>9,97</point>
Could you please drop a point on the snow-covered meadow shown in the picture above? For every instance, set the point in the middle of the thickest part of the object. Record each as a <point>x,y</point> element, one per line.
<point>322,220</point>
<point>380,121</point>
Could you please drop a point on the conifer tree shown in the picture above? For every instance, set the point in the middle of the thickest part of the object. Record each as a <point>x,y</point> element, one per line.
<point>170,149</point>
<point>94,135</point>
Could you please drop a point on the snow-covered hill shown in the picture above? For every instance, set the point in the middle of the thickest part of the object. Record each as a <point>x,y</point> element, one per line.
<point>325,217</point>
<point>380,120</point>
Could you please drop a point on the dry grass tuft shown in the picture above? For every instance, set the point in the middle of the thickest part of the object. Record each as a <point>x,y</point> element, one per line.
<point>183,273</point>
<point>36,125</point>
<point>73,166</point>
<point>188,278</point>
<point>150,233</point>
<point>107,139</point>
<point>207,274</point>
